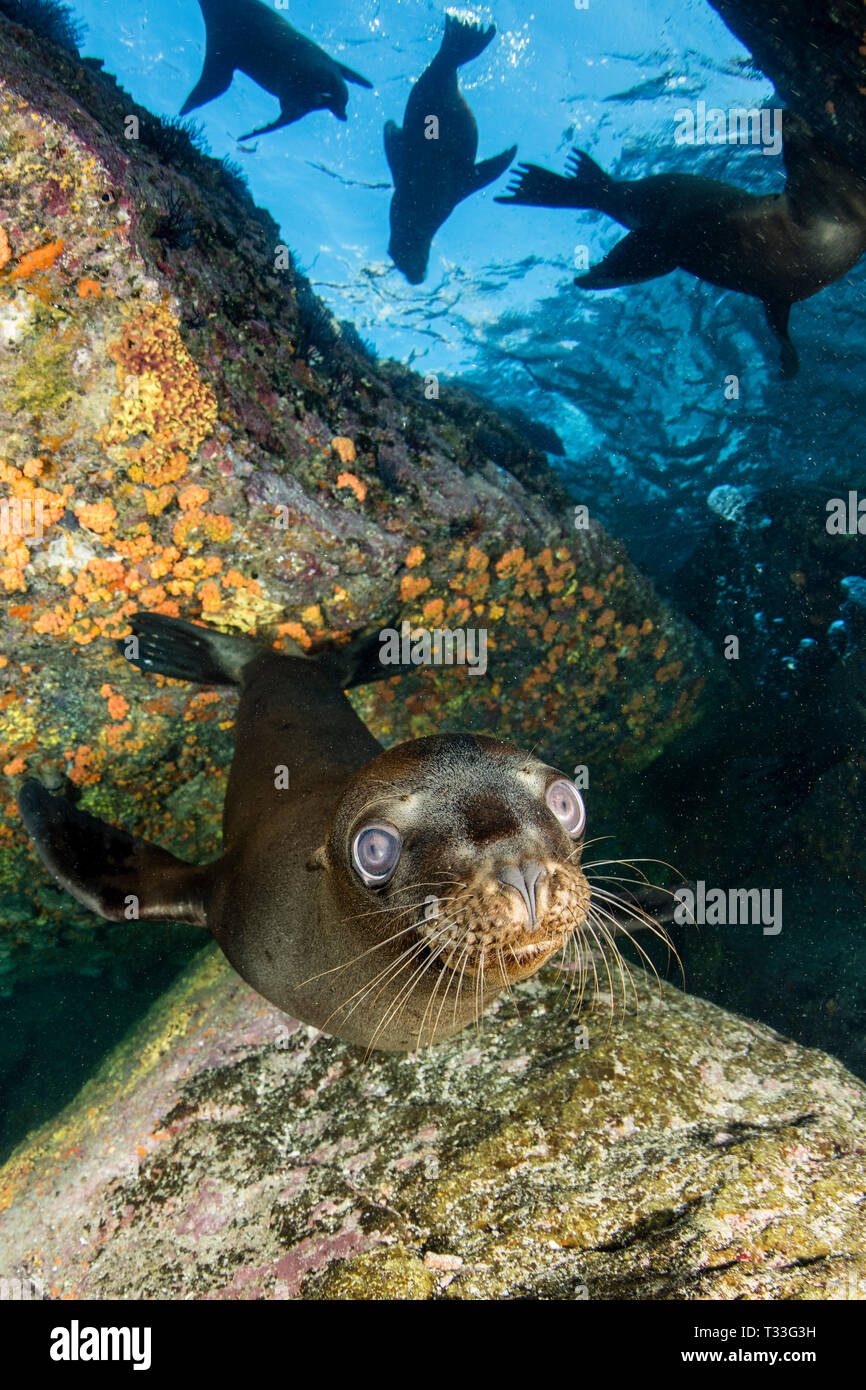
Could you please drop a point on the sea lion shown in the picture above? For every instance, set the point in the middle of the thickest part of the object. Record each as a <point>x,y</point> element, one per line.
<point>385,897</point>
<point>779,247</point>
<point>247,35</point>
<point>432,159</point>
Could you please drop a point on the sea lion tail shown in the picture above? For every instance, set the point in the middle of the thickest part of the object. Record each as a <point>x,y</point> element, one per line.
<point>118,875</point>
<point>187,651</point>
<point>464,39</point>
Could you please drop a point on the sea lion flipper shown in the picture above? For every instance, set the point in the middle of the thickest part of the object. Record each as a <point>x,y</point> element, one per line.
<point>186,651</point>
<point>585,185</point>
<point>534,186</point>
<point>359,662</point>
<point>216,76</point>
<point>487,170</point>
<point>463,40</point>
<point>777,317</point>
<point>394,148</point>
<point>287,116</point>
<point>642,255</point>
<point>116,874</point>
<point>352,76</point>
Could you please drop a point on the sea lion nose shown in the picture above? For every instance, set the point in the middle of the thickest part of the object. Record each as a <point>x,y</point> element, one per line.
<point>524,878</point>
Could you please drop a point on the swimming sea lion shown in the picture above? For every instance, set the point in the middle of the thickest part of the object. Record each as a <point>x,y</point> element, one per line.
<point>385,897</point>
<point>432,158</point>
<point>247,35</point>
<point>779,247</point>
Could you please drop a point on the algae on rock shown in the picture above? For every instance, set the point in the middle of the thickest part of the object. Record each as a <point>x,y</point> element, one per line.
<point>673,1151</point>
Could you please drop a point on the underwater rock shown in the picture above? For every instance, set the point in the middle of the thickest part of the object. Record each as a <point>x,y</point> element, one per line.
<point>222,1151</point>
<point>186,428</point>
<point>815,56</point>
<point>854,586</point>
<point>737,505</point>
<point>847,633</point>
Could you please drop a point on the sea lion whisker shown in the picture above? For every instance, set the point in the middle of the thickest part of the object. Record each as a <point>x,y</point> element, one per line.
<point>639,883</point>
<point>479,996</point>
<point>580,972</point>
<point>423,942</point>
<point>585,960</point>
<point>388,972</point>
<point>448,985</point>
<point>633,864</point>
<point>397,907</point>
<point>413,926</point>
<point>645,920</point>
<point>598,914</point>
<point>378,946</point>
<point>400,1001</point>
<point>566,975</point>
<point>465,956</point>
<point>505,980</point>
<point>430,1003</point>
<point>385,977</point>
<point>396,965</point>
<point>450,974</point>
<point>588,922</point>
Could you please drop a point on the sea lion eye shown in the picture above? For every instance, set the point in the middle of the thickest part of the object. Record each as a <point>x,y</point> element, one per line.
<point>376,852</point>
<point>567,805</point>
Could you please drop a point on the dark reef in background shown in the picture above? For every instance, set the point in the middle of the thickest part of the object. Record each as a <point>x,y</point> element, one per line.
<point>52,19</point>
<point>813,51</point>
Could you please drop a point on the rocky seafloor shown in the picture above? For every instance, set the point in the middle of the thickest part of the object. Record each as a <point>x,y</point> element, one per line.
<point>661,1150</point>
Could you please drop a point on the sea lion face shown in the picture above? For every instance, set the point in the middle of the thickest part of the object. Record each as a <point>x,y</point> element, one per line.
<point>410,254</point>
<point>332,95</point>
<point>466,850</point>
<point>414,223</point>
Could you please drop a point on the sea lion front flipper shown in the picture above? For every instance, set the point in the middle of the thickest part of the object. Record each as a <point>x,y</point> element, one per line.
<point>288,115</point>
<point>216,76</point>
<point>187,651</point>
<point>116,874</point>
<point>777,317</point>
<point>586,185</point>
<point>642,255</point>
<point>352,76</point>
<point>489,169</point>
<point>359,662</point>
<point>394,149</point>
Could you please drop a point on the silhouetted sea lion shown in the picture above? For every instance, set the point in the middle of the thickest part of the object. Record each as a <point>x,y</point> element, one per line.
<point>247,36</point>
<point>432,158</point>
<point>779,247</point>
<point>385,897</point>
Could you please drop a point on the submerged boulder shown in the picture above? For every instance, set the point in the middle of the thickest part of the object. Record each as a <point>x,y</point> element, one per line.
<point>664,1151</point>
<point>816,56</point>
<point>186,428</point>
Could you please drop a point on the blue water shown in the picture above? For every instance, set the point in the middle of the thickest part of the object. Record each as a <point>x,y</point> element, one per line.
<point>632,379</point>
